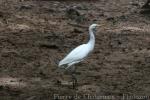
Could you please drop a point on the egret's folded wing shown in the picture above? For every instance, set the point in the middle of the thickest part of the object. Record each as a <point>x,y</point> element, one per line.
<point>77,54</point>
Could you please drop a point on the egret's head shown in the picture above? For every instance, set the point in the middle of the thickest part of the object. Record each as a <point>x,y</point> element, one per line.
<point>93,27</point>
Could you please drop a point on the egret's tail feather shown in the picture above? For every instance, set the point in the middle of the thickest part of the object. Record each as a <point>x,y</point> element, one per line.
<point>61,64</point>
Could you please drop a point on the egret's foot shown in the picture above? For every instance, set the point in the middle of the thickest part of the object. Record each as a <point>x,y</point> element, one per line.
<point>74,84</point>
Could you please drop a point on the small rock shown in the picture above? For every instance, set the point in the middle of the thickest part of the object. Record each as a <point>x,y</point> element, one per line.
<point>19,27</point>
<point>26,7</point>
<point>72,13</point>
<point>77,31</point>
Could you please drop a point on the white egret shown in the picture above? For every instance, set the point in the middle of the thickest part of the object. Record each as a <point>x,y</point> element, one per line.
<point>79,53</point>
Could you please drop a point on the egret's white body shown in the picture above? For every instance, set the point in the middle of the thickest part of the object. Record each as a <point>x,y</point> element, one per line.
<point>80,52</point>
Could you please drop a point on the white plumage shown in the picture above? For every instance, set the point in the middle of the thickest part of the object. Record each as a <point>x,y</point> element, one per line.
<point>75,55</point>
<point>80,52</point>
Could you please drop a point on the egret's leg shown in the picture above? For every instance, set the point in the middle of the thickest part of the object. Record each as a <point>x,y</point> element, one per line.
<point>74,83</point>
<point>73,74</point>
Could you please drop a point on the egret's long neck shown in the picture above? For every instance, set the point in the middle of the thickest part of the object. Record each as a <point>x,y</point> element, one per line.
<point>91,42</point>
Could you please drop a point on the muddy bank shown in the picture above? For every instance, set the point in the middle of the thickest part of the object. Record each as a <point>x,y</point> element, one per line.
<point>36,35</point>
